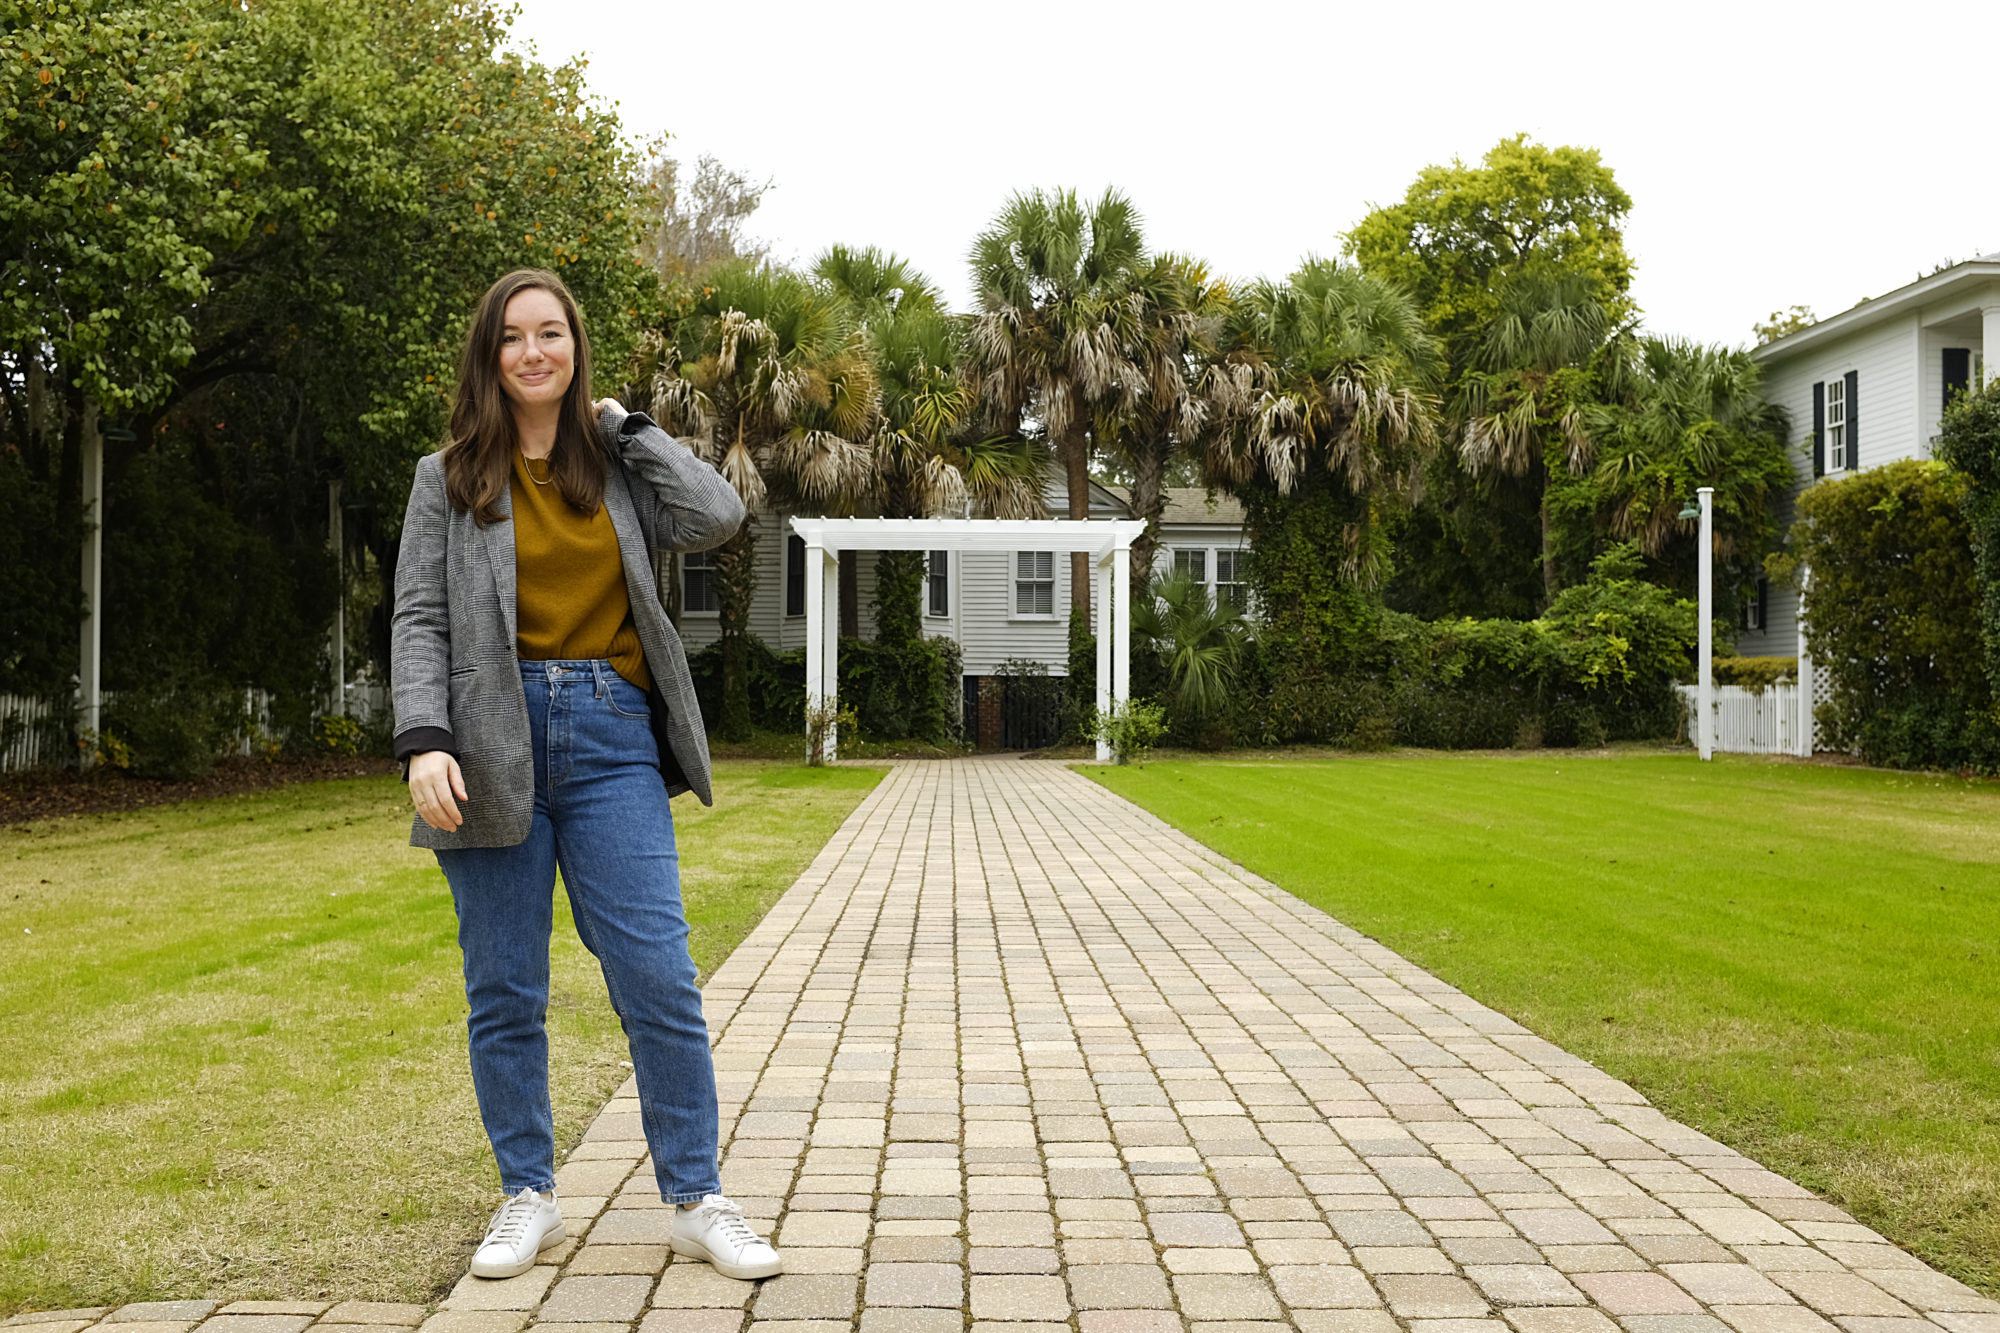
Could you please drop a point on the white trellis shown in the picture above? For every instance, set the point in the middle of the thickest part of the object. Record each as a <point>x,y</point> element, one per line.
<point>1107,542</point>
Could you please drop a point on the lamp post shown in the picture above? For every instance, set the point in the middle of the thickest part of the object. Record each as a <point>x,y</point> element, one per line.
<point>1704,692</point>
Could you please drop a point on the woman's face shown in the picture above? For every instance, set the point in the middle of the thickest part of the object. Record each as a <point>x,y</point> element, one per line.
<point>537,351</point>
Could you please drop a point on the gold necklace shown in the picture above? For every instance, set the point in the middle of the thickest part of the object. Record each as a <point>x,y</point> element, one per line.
<point>528,467</point>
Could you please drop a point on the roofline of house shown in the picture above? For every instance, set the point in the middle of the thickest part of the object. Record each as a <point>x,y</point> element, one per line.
<point>1921,292</point>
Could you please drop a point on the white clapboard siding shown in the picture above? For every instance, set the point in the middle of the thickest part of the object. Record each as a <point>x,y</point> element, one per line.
<point>1899,393</point>
<point>992,633</point>
<point>1765,722</point>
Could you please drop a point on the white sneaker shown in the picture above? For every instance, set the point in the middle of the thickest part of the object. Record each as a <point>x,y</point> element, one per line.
<point>526,1225</point>
<point>714,1230</point>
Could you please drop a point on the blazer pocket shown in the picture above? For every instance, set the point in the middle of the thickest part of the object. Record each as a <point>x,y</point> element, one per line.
<point>459,673</point>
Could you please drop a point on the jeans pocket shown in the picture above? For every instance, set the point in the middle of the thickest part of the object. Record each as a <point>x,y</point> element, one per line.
<point>611,692</point>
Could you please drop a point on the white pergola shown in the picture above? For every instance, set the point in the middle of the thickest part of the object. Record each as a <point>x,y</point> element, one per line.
<point>1108,542</point>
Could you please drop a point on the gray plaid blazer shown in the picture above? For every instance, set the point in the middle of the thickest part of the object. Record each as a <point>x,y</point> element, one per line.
<point>452,665</point>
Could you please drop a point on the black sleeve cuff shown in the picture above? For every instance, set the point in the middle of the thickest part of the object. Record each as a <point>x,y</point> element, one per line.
<point>419,739</point>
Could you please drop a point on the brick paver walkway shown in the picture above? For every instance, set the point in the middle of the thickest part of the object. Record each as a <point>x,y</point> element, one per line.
<point>1015,1055</point>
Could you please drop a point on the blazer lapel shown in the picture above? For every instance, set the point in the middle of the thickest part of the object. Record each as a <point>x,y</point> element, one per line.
<point>500,559</point>
<point>631,540</point>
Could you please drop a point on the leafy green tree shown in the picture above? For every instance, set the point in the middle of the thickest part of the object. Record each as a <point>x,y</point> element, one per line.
<point>1477,246</point>
<point>1049,343</point>
<point>767,378</point>
<point>1783,323</point>
<point>125,173</point>
<point>1462,233</point>
<point>250,234</point>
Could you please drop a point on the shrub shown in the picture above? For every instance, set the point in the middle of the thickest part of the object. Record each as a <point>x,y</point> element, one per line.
<point>1600,665</point>
<point>1198,642</point>
<point>1755,674</point>
<point>1892,612</point>
<point>177,729</point>
<point>1131,729</point>
<point>1969,440</point>
<point>899,692</point>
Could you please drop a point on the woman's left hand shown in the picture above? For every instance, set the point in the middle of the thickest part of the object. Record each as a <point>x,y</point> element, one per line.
<point>604,405</point>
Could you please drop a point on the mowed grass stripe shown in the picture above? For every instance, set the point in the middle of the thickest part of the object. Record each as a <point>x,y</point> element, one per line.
<point>1799,960</point>
<point>234,1062</point>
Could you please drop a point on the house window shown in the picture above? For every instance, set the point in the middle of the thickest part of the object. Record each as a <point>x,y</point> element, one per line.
<point>1034,583</point>
<point>698,590</point>
<point>795,575</point>
<point>1755,605</point>
<point>1192,564</point>
<point>938,580</point>
<point>1836,425</point>
<point>1230,586</point>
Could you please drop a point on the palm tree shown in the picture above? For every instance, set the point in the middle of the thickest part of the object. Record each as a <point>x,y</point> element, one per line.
<point>1691,416</point>
<point>1522,399</point>
<point>767,378</point>
<point>1327,375</point>
<point>1177,324</point>
<point>927,461</point>
<point>1200,637</point>
<point>1056,319</point>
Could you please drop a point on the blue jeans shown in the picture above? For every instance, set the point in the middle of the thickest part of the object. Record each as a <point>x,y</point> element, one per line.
<point>601,815</point>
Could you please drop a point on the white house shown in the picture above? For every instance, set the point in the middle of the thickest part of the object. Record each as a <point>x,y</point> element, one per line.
<point>997,607</point>
<point>1867,387</point>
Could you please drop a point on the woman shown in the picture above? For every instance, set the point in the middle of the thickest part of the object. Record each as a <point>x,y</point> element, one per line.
<point>545,714</point>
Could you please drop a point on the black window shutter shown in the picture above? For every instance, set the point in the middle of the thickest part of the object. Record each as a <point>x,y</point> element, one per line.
<point>1853,377</point>
<point>1819,429</point>
<point>795,575</point>
<point>1957,373</point>
<point>1763,604</point>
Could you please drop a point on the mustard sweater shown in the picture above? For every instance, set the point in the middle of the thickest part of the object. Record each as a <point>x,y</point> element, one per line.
<point>569,583</point>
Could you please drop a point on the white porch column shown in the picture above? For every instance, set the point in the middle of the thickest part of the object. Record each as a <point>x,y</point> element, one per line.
<point>1101,610</point>
<point>815,627</point>
<point>828,647</point>
<point>1121,624</point>
<point>1989,334</point>
<point>89,673</point>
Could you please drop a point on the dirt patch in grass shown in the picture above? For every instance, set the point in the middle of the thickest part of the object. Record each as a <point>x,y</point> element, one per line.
<point>45,793</point>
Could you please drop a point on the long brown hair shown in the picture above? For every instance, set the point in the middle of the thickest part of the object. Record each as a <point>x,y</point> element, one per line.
<point>479,455</point>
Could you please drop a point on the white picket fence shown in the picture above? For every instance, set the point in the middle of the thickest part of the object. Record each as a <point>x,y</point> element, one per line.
<point>34,735</point>
<point>1772,721</point>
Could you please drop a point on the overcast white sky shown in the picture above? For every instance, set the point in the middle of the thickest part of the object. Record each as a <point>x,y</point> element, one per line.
<point>1775,153</point>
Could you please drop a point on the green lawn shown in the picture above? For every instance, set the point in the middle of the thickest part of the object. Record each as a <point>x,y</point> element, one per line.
<point>1801,961</point>
<point>233,1061</point>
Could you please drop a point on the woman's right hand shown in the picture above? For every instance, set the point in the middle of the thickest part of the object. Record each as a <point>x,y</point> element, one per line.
<point>434,782</point>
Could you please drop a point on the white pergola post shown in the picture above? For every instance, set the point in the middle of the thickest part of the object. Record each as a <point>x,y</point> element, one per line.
<point>1121,622</point>
<point>1108,543</point>
<point>1107,635</point>
<point>816,682</point>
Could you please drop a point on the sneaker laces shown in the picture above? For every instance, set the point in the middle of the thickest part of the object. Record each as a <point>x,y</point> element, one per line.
<point>727,1216</point>
<point>510,1224</point>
